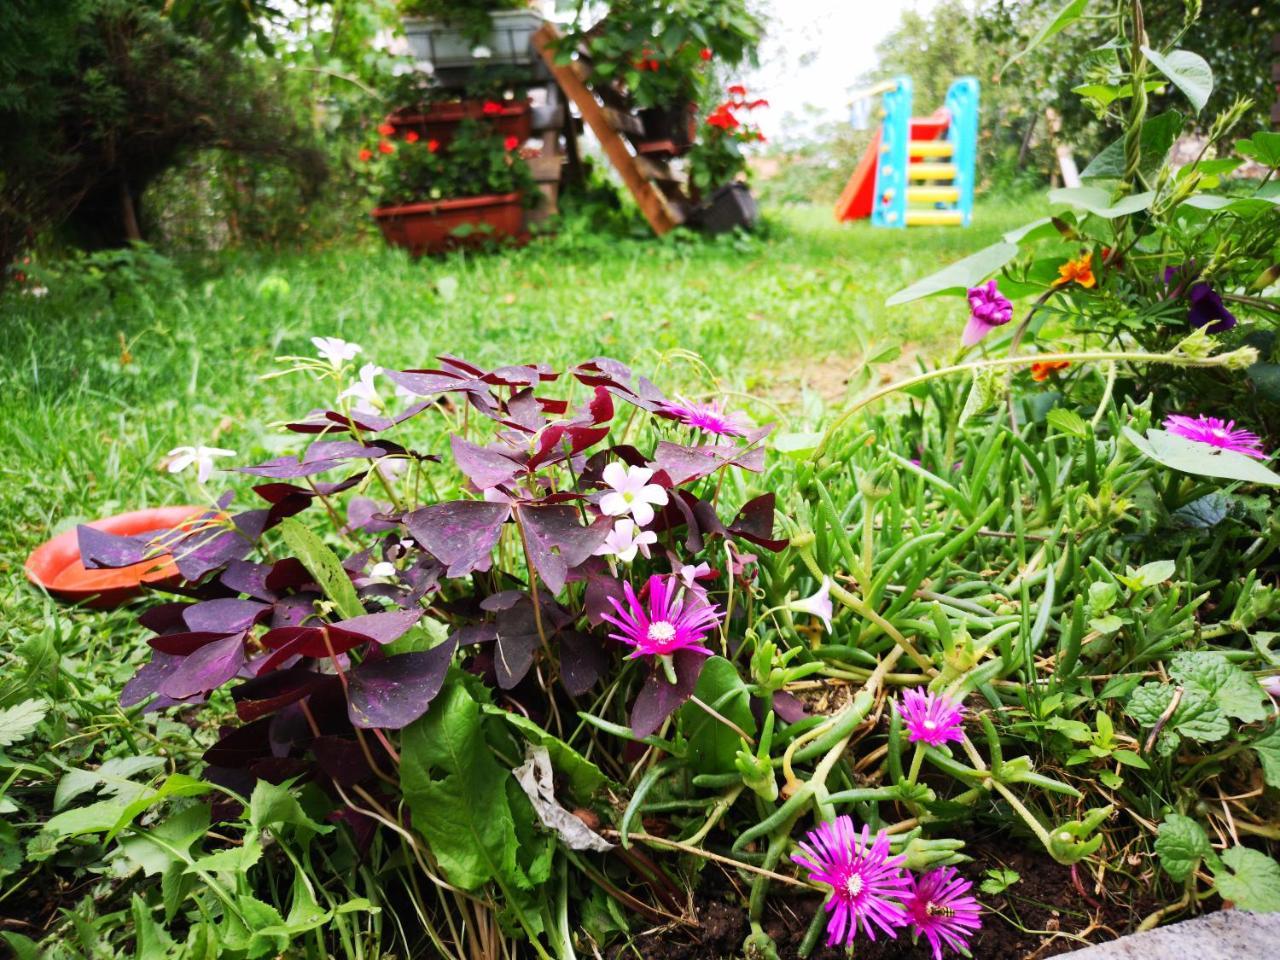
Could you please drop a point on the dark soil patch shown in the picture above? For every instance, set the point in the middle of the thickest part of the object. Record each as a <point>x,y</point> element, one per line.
<point>1044,914</point>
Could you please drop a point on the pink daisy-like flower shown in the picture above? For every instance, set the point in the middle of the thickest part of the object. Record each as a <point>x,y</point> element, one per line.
<point>1217,433</point>
<point>931,718</point>
<point>707,417</point>
<point>941,910</point>
<point>671,621</point>
<point>866,883</point>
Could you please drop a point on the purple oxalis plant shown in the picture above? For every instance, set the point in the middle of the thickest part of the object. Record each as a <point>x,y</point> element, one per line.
<point>515,581</point>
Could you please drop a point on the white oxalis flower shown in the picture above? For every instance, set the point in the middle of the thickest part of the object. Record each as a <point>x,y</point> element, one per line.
<point>363,391</point>
<point>336,351</point>
<point>631,493</point>
<point>625,539</point>
<point>383,570</point>
<point>201,457</point>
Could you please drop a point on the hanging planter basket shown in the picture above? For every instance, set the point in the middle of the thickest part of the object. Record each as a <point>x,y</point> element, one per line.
<point>433,227</point>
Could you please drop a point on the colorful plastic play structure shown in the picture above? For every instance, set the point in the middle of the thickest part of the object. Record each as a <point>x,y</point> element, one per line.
<point>918,171</point>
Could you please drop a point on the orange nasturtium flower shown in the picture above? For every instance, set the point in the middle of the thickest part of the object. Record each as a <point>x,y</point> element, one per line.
<point>366,155</point>
<point>1040,371</point>
<point>1079,270</point>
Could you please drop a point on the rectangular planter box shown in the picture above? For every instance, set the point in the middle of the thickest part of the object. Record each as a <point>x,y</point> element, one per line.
<point>730,207</point>
<point>429,227</point>
<point>439,121</point>
<point>447,48</point>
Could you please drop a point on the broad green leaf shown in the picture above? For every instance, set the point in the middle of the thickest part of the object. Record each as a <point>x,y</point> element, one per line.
<point>1158,134</point>
<point>323,564</point>
<point>95,818</point>
<point>456,792</point>
<point>275,803</point>
<point>1181,844</point>
<point>1107,93</point>
<point>1065,17</point>
<point>1236,692</point>
<point>151,941</point>
<point>1035,230</point>
<point>1098,201</point>
<point>20,720</point>
<point>584,777</point>
<point>1251,880</point>
<point>959,276</point>
<point>1067,421</point>
<point>712,742</point>
<point>1188,71</point>
<point>1197,715</point>
<point>235,860</point>
<point>1148,575</point>
<point>797,445</point>
<point>113,778</point>
<point>175,785</point>
<point>1263,146</point>
<point>1267,747</point>
<point>169,842</point>
<point>1199,459</point>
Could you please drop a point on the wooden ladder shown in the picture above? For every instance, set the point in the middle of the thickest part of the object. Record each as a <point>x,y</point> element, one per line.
<point>656,188</point>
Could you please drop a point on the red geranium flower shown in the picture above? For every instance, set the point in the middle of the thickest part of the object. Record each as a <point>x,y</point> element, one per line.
<point>411,136</point>
<point>723,118</point>
<point>511,142</point>
<point>755,104</point>
<point>737,90</point>
<point>705,53</point>
<point>491,107</point>
<point>386,129</point>
<point>433,145</point>
<point>366,155</point>
<point>385,147</point>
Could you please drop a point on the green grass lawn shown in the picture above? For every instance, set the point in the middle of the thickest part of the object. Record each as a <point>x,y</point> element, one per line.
<point>100,378</point>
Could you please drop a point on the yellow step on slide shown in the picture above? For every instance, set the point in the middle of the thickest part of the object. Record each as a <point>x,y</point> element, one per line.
<point>931,171</point>
<point>930,148</point>
<point>934,218</point>
<point>933,194</point>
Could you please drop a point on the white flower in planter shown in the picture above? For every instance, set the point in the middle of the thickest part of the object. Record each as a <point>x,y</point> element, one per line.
<point>200,457</point>
<point>336,351</point>
<point>631,493</point>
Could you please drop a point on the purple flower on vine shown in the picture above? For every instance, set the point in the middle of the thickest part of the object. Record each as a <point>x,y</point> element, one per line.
<point>988,309</point>
<point>707,417</point>
<point>671,621</point>
<point>942,911</point>
<point>867,885</point>
<point>1204,304</point>
<point>931,718</point>
<point>1222,434</point>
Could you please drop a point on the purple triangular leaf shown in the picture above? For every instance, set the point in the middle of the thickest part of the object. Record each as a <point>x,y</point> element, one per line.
<point>582,662</point>
<point>101,549</point>
<point>204,551</point>
<point>461,534</point>
<point>392,692</point>
<point>207,669</point>
<point>223,616</point>
<point>484,467</point>
<point>659,697</point>
<point>380,627</point>
<point>755,523</point>
<point>263,695</point>
<point>149,678</point>
<point>557,541</point>
<point>517,642</point>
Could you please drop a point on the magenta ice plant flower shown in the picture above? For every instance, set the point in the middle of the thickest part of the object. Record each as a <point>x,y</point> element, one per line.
<point>199,457</point>
<point>631,493</point>
<point>625,539</point>
<point>707,417</point>
<point>817,605</point>
<point>335,351</point>
<point>1271,685</point>
<point>670,621</point>
<point>988,309</point>
<point>867,885</point>
<point>1216,433</point>
<point>942,911</point>
<point>931,718</point>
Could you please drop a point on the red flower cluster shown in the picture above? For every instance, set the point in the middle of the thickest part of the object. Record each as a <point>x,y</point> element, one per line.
<point>511,143</point>
<point>386,129</point>
<point>647,61</point>
<point>725,115</point>
<point>491,108</point>
<point>705,53</point>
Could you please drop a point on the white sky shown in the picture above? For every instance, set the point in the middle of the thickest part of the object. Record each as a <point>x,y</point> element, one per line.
<point>815,51</point>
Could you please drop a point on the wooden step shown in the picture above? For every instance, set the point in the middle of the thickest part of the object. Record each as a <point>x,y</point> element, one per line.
<point>933,194</point>
<point>931,171</point>
<point>930,148</point>
<point>934,218</point>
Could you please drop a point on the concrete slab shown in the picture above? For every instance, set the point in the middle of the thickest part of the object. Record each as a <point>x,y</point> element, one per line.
<point>1225,935</point>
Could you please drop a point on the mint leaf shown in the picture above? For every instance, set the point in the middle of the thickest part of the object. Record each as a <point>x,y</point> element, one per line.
<point>1236,693</point>
<point>1253,882</point>
<point>1267,747</point>
<point>1181,844</point>
<point>1197,715</point>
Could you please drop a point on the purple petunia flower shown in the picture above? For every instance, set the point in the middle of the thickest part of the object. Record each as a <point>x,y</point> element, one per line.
<point>941,910</point>
<point>866,883</point>
<point>671,622</point>
<point>931,718</point>
<point>988,309</point>
<point>1216,433</point>
<point>1204,305</point>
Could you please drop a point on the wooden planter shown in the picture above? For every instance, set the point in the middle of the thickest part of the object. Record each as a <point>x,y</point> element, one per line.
<point>440,121</point>
<point>668,130</point>
<point>430,227</point>
<point>730,207</point>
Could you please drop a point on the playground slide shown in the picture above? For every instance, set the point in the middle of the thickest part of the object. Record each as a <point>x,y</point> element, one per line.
<point>858,196</point>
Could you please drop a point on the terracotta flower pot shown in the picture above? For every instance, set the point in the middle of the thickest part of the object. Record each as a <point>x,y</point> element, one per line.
<point>429,227</point>
<point>55,565</point>
<point>439,121</point>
